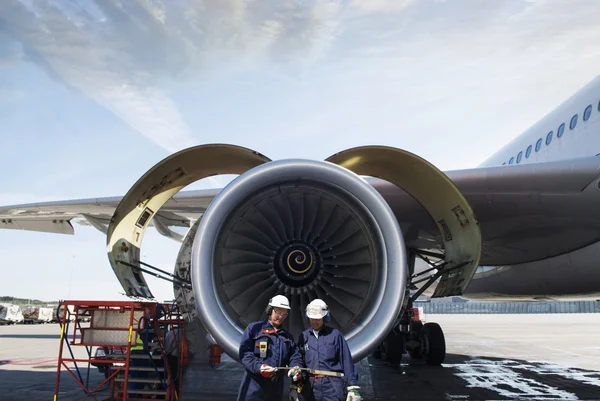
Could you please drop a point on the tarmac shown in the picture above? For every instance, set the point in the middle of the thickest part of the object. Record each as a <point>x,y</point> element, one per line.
<point>489,357</point>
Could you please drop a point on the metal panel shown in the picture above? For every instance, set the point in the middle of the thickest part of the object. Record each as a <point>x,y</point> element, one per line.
<point>108,337</point>
<point>102,319</point>
<point>453,215</point>
<point>146,197</point>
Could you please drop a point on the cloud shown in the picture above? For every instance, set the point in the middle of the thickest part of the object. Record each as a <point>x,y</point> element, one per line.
<point>124,55</point>
<point>10,50</point>
<point>233,36</point>
<point>72,45</point>
<point>129,56</point>
<point>381,5</point>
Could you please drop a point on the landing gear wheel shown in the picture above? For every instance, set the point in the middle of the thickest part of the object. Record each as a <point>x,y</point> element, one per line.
<point>436,344</point>
<point>392,348</point>
<point>416,354</point>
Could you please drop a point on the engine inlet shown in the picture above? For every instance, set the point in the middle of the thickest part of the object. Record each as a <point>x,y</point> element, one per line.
<point>303,239</point>
<point>307,230</point>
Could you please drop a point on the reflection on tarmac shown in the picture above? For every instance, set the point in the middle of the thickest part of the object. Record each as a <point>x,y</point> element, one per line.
<point>474,378</point>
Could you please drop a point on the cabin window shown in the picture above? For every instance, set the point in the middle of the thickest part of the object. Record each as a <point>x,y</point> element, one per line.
<point>573,122</point>
<point>519,157</point>
<point>511,161</point>
<point>549,138</point>
<point>587,113</point>
<point>538,145</point>
<point>528,151</point>
<point>561,130</point>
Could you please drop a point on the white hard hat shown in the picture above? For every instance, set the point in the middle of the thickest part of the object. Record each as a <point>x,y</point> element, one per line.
<point>279,301</point>
<point>317,309</point>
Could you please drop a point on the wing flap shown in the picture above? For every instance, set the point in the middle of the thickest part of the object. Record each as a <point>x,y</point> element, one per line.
<point>56,226</point>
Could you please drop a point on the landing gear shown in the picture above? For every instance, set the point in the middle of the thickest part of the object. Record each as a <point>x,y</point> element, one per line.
<point>428,343</point>
<point>422,341</point>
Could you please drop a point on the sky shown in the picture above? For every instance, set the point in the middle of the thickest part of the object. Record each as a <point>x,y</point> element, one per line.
<point>93,93</point>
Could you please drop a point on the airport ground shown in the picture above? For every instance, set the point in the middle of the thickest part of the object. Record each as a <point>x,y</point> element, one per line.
<point>489,357</point>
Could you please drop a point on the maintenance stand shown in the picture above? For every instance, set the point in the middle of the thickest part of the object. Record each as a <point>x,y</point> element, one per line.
<point>141,348</point>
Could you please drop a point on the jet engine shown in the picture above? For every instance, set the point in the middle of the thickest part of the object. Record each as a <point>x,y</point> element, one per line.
<point>307,230</point>
<point>302,228</point>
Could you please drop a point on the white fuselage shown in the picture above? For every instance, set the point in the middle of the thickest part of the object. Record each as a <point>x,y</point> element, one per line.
<point>571,131</point>
<point>548,142</point>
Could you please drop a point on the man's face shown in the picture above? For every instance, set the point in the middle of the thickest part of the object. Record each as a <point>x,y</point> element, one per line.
<point>278,316</point>
<point>316,324</point>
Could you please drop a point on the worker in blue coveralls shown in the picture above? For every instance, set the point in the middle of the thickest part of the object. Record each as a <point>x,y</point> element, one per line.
<point>325,348</point>
<point>265,346</point>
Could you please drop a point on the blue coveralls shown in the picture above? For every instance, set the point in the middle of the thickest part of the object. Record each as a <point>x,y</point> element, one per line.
<point>281,351</point>
<point>328,352</point>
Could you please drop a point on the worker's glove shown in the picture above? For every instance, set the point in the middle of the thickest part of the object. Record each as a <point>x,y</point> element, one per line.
<point>353,394</point>
<point>294,393</point>
<point>267,371</point>
<point>295,373</point>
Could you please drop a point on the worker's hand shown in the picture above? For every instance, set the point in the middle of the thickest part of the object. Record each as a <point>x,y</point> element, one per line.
<point>267,371</point>
<point>294,393</point>
<point>353,394</point>
<point>295,373</point>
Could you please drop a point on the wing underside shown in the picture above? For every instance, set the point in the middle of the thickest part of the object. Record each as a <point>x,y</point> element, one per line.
<point>525,212</point>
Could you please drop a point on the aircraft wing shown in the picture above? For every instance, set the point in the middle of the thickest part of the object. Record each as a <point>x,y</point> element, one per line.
<point>526,212</point>
<point>534,211</point>
<point>57,217</point>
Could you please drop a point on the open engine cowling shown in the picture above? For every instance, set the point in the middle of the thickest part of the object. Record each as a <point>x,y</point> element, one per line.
<point>307,230</point>
<point>302,228</point>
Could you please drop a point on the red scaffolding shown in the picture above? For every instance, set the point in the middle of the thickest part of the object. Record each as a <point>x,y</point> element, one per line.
<point>131,348</point>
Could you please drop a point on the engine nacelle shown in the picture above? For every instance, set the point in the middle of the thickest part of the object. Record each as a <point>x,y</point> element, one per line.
<point>304,229</point>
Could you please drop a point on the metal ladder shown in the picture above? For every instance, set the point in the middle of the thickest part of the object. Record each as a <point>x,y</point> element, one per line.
<point>114,326</point>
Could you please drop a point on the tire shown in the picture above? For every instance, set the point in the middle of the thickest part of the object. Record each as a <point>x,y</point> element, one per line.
<point>392,348</point>
<point>415,355</point>
<point>436,350</point>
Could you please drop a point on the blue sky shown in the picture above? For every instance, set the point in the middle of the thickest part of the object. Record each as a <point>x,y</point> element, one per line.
<point>93,94</point>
